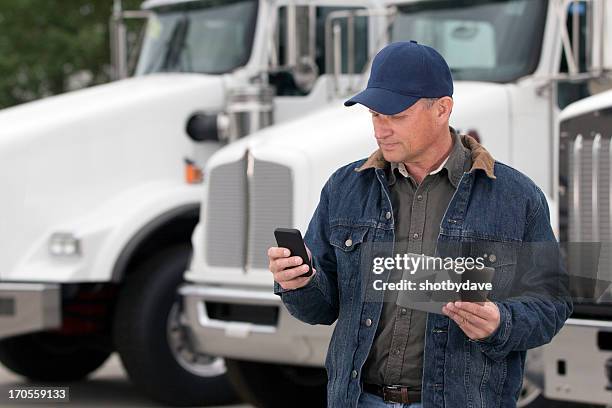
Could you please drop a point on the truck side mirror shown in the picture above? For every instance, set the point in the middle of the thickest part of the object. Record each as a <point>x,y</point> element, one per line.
<point>120,55</point>
<point>293,50</point>
<point>586,35</point>
<point>305,73</point>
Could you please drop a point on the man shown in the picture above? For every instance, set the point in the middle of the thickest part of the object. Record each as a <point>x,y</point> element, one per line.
<point>426,190</point>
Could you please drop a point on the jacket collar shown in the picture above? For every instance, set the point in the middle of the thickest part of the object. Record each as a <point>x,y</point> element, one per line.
<point>481,158</point>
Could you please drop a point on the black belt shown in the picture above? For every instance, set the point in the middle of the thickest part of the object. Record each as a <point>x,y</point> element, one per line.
<point>394,393</point>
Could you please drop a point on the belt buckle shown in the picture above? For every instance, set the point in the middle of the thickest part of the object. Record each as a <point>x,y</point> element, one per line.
<point>394,391</point>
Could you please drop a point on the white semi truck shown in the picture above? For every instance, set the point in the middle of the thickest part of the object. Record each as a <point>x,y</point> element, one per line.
<point>578,362</point>
<point>102,186</point>
<point>516,65</point>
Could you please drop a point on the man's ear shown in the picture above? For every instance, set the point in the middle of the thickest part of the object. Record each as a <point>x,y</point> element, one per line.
<point>444,108</point>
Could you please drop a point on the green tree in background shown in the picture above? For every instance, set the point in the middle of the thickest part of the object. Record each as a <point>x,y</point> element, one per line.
<point>53,46</point>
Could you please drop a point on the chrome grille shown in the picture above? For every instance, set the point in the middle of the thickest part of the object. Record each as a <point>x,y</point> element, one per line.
<point>270,206</point>
<point>589,207</point>
<point>226,215</point>
<point>246,201</point>
<point>589,189</point>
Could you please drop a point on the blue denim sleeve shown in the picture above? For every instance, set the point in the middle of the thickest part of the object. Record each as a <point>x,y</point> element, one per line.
<point>533,318</point>
<point>317,301</point>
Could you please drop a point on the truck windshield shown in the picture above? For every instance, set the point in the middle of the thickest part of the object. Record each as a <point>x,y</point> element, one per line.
<point>494,40</point>
<point>211,37</point>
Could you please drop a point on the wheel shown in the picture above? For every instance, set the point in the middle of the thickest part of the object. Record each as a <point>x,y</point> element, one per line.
<point>270,385</point>
<point>47,356</point>
<point>153,345</point>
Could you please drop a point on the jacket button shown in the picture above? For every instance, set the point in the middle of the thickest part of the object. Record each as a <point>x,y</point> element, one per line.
<point>492,258</point>
<point>440,331</point>
<point>388,215</point>
<point>415,235</point>
<point>404,311</point>
<point>354,373</point>
<point>368,322</point>
<point>348,242</point>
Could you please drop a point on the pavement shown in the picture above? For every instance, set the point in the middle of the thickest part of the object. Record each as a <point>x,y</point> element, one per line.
<point>106,387</point>
<point>109,387</point>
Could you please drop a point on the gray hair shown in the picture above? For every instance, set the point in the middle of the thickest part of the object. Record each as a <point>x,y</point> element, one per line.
<point>429,102</point>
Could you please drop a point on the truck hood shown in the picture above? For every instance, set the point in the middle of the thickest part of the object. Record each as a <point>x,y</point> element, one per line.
<point>63,156</point>
<point>337,135</point>
<point>91,105</point>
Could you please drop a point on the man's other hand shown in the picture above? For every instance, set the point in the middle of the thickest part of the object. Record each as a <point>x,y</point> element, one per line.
<point>477,320</point>
<point>287,269</point>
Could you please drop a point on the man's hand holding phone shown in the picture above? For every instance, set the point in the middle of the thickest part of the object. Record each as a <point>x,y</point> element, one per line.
<point>287,269</point>
<point>291,261</point>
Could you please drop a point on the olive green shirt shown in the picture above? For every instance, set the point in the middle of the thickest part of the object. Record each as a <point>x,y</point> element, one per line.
<point>396,356</point>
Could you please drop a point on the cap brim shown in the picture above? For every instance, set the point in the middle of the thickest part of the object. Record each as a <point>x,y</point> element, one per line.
<point>383,101</point>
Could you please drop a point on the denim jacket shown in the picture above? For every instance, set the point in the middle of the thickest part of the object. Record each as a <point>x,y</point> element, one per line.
<point>493,204</point>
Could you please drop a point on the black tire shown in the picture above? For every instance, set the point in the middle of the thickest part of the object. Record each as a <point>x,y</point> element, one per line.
<point>140,334</point>
<point>51,357</point>
<point>270,385</point>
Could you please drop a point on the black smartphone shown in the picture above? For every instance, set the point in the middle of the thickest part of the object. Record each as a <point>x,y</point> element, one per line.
<point>291,239</point>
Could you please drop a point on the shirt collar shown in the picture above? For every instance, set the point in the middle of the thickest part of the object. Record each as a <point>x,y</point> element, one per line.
<point>453,163</point>
<point>481,159</point>
<point>401,167</point>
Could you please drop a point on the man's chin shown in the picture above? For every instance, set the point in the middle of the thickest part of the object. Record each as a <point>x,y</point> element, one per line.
<point>391,157</point>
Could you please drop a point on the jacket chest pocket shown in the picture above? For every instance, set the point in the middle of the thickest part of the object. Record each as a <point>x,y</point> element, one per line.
<point>502,257</point>
<point>348,244</point>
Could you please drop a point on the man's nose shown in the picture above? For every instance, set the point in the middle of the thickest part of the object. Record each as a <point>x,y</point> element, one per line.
<point>381,130</point>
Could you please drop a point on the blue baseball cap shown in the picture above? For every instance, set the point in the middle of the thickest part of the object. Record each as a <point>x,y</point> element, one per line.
<point>402,73</point>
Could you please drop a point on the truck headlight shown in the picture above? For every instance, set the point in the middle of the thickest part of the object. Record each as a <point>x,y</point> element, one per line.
<point>64,244</point>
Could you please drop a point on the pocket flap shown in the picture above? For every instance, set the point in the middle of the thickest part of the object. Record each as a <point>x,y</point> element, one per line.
<point>347,238</point>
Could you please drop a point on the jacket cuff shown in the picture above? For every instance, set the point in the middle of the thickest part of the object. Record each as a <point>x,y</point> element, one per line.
<point>279,290</point>
<point>493,344</point>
